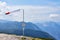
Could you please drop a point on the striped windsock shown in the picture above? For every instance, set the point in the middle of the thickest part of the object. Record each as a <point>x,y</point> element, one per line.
<point>12,11</point>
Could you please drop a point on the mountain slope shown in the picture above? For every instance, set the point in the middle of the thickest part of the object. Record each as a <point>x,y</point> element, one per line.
<point>31,29</point>
<point>52,28</point>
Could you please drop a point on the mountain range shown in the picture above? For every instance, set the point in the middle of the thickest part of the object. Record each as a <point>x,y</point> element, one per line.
<point>50,27</point>
<point>43,30</point>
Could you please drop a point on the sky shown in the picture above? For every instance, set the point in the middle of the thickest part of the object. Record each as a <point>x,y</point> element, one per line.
<point>34,10</point>
<point>32,2</point>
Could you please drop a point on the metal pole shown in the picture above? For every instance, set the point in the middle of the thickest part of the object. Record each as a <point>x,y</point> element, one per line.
<point>23,15</point>
<point>23,25</point>
<point>23,22</point>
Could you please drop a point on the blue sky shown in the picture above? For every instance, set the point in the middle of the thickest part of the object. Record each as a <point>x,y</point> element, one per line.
<point>35,10</point>
<point>33,2</point>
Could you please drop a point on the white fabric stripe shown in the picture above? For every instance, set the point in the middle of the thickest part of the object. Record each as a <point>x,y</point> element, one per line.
<point>15,11</point>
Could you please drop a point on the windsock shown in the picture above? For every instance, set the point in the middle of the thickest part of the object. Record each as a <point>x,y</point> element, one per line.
<point>12,11</point>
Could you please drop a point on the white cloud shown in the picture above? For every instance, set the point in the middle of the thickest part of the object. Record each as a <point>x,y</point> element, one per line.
<point>2,4</point>
<point>37,13</point>
<point>32,13</point>
<point>3,7</point>
<point>53,15</point>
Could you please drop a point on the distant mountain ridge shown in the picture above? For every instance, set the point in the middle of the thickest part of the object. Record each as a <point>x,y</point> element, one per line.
<point>14,27</point>
<point>51,27</point>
